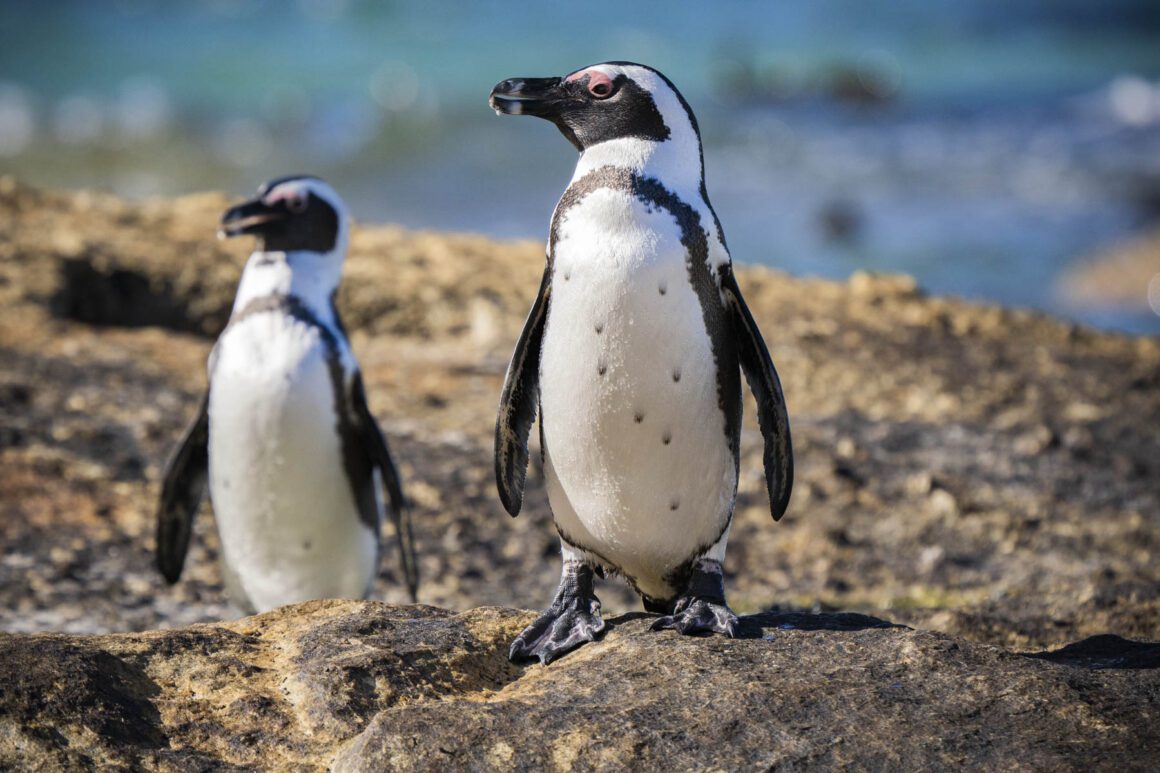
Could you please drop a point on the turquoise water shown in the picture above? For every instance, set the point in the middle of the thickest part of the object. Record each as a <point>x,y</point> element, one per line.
<point>982,146</point>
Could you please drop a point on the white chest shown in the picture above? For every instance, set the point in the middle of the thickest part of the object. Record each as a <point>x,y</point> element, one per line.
<point>288,520</point>
<point>639,467</point>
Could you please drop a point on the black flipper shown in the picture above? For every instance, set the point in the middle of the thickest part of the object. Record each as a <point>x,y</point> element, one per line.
<point>763,381</point>
<point>518,403</point>
<point>182,488</point>
<point>375,446</point>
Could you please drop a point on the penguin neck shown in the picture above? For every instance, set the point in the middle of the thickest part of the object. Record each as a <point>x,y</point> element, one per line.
<point>310,277</point>
<point>676,162</point>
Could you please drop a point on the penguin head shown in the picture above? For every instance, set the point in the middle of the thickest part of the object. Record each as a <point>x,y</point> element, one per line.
<point>602,103</point>
<point>291,214</point>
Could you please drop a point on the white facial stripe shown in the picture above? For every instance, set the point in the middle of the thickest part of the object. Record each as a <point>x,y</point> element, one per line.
<point>611,70</point>
<point>292,189</point>
<point>676,161</point>
<point>302,189</point>
<point>663,96</point>
<point>294,193</point>
<point>667,102</point>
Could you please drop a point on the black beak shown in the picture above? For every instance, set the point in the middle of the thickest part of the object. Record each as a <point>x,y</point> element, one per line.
<point>253,217</point>
<point>541,97</point>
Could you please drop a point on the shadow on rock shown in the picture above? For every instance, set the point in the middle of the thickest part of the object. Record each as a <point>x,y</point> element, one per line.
<point>755,626</point>
<point>613,623</point>
<point>57,690</point>
<point>1106,651</point>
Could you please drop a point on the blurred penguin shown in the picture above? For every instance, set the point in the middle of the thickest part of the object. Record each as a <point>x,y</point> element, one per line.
<point>295,462</point>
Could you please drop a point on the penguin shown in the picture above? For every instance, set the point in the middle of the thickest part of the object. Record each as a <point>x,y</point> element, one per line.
<point>292,455</point>
<point>631,357</point>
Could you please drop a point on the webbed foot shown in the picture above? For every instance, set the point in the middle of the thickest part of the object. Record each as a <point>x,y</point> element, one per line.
<point>701,608</point>
<point>572,619</point>
<point>694,615</point>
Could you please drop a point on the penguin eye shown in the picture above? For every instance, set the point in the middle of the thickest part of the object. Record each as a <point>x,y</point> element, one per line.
<point>600,85</point>
<point>296,203</point>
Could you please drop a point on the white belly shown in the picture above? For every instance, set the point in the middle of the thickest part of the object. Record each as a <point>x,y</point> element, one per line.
<point>289,524</point>
<point>639,469</point>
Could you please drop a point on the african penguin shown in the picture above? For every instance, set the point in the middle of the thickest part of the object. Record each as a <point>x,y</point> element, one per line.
<point>631,356</point>
<point>293,456</point>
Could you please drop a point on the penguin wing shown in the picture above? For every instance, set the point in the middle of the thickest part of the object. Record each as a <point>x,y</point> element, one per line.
<point>518,403</point>
<point>181,491</point>
<point>766,387</point>
<point>374,444</point>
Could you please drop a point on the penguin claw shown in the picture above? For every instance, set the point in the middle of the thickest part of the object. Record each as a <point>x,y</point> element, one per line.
<point>572,619</point>
<point>558,631</point>
<point>699,615</point>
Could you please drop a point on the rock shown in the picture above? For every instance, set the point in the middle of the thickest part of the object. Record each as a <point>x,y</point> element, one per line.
<point>350,686</point>
<point>918,422</point>
<point>984,473</point>
<point>1126,275</point>
<point>943,503</point>
<point>1033,441</point>
<point>879,287</point>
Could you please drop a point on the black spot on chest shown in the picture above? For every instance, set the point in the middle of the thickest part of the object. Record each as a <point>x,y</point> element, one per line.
<point>694,239</point>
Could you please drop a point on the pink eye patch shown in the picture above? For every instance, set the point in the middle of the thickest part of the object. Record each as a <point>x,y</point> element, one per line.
<point>599,84</point>
<point>295,198</point>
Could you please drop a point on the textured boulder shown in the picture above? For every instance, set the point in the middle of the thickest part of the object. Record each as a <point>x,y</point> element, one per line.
<point>369,686</point>
<point>980,471</point>
<point>987,475</point>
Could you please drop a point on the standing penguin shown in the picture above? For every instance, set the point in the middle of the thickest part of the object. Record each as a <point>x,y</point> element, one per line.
<point>631,354</point>
<point>294,457</point>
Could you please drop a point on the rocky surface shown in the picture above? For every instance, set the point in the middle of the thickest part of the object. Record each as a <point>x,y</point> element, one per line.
<point>350,686</point>
<point>1126,276</point>
<point>991,476</point>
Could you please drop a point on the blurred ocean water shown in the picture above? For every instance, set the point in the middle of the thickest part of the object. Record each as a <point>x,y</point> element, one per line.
<point>982,145</point>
